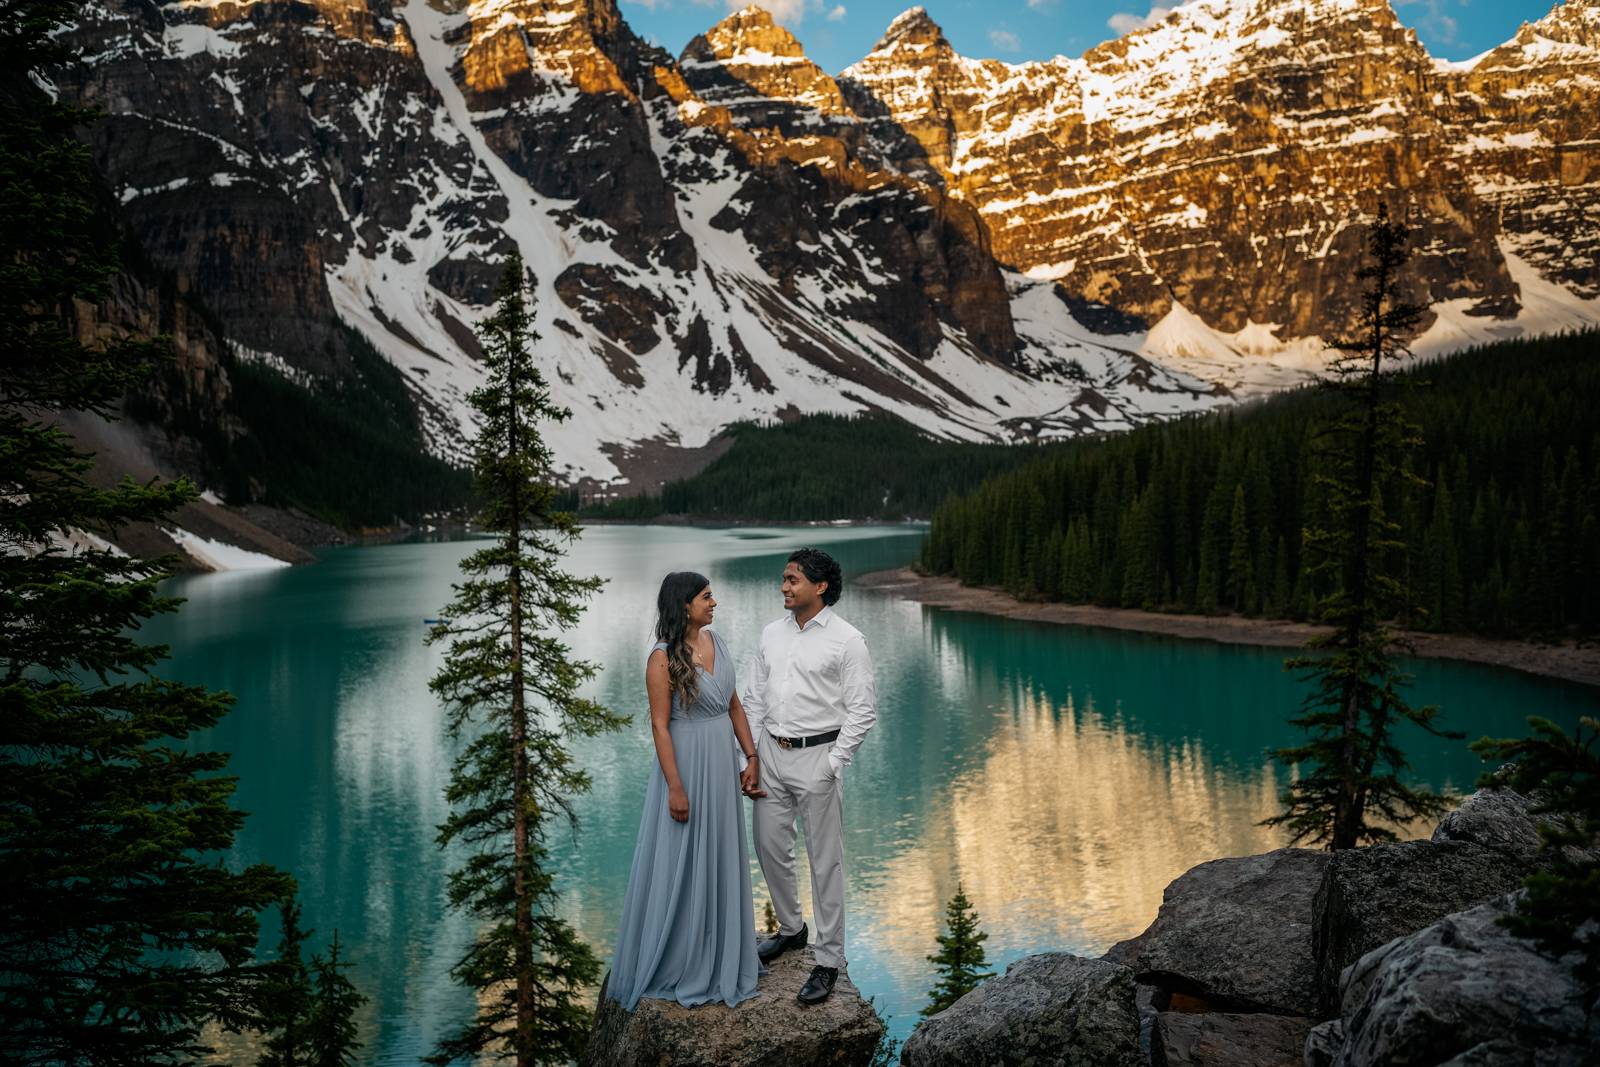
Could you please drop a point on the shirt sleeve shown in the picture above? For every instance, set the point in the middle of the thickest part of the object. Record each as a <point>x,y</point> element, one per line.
<point>754,696</point>
<point>860,697</point>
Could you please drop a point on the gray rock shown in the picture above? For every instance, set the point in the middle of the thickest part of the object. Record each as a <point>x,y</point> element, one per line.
<point>1494,818</point>
<point>1150,1001</point>
<point>1465,991</point>
<point>1370,896</point>
<point>772,1030</point>
<point>1220,1039</point>
<point>1323,1043</point>
<point>1236,932</point>
<point>1053,1008</point>
<point>1505,1054</point>
<point>1506,822</point>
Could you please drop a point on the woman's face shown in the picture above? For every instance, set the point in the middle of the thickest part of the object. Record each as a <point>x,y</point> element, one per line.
<point>702,607</point>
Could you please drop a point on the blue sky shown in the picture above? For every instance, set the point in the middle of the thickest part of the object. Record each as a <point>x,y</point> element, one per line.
<point>838,32</point>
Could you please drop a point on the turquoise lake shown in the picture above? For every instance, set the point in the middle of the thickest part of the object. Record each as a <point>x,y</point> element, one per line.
<point>1064,775</point>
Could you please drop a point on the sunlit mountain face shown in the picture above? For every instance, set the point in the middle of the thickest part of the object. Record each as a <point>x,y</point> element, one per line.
<point>1162,225</point>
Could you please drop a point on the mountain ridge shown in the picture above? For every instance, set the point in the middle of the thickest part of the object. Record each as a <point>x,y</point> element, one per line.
<point>713,239</point>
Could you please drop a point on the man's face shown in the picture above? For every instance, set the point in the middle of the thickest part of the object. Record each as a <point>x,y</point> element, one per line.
<point>799,592</point>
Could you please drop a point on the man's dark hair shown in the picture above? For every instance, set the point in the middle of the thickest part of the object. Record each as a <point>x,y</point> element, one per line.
<point>818,566</point>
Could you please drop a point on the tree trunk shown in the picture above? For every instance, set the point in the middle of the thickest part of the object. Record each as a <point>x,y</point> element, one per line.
<point>523,951</point>
<point>1351,809</point>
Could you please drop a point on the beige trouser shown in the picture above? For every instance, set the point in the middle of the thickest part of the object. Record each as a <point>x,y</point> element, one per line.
<point>797,783</point>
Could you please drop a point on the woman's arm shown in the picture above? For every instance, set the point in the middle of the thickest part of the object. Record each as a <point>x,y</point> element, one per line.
<point>659,690</point>
<point>750,780</point>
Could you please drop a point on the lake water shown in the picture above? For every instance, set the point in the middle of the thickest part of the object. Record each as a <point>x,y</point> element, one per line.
<point>1063,774</point>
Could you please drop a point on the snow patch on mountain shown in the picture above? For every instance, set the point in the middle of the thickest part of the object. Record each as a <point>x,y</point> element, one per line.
<point>215,555</point>
<point>1547,308</point>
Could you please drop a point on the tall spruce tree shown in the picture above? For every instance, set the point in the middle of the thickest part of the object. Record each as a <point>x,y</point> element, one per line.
<point>960,958</point>
<point>1351,767</point>
<point>123,935</point>
<point>511,689</point>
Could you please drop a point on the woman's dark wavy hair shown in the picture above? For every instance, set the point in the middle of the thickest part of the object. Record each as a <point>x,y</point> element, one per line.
<point>672,623</point>
<point>818,566</point>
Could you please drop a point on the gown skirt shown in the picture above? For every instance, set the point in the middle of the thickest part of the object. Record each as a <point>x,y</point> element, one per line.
<point>688,924</point>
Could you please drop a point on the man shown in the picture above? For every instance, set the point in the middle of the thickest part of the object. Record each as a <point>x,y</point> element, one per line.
<point>810,701</point>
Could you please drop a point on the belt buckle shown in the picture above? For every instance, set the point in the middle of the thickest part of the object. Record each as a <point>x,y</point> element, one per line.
<point>784,742</point>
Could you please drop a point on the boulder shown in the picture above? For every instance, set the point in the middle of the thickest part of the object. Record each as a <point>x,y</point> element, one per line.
<point>1222,1039</point>
<point>1053,1008</point>
<point>1236,933</point>
<point>1499,819</point>
<point>1323,1043</point>
<point>1465,991</point>
<point>1370,896</point>
<point>1505,821</point>
<point>773,1029</point>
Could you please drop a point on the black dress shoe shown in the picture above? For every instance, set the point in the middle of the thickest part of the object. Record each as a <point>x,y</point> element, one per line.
<point>819,985</point>
<point>772,947</point>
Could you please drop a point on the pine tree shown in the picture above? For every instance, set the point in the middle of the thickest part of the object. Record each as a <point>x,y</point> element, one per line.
<point>1445,593</point>
<point>1213,547</point>
<point>960,958</point>
<point>1351,766</point>
<point>307,1010</point>
<point>1561,907</point>
<point>1282,591</point>
<point>123,934</point>
<point>330,1026</point>
<point>769,919</point>
<point>285,998</point>
<point>1238,551</point>
<point>511,688</point>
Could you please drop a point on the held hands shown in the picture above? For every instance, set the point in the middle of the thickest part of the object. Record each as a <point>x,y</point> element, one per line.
<point>678,803</point>
<point>750,779</point>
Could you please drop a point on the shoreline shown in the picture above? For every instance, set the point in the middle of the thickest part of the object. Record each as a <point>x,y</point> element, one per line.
<point>712,522</point>
<point>1567,662</point>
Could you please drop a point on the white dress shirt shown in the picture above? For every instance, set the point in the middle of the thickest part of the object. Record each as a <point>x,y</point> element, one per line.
<point>811,680</point>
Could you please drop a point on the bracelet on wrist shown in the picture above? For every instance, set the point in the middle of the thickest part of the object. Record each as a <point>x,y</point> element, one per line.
<point>749,755</point>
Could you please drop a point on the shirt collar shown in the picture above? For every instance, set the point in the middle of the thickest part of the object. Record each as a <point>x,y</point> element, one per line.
<point>821,618</point>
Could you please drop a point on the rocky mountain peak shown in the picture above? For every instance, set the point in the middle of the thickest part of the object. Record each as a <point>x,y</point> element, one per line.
<point>748,32</point>
<point>912,27</point>
<point>918,93</point>
<point>1574,22</point>
<point>751,17</point>
<point>759,72</point>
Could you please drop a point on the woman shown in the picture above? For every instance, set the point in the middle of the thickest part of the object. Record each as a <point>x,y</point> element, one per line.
<point>688,927</point>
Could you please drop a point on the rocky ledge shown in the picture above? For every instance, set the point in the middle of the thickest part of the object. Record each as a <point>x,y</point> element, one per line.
<point>1053,1008</point>
<point>1381,955</point>
<point>1462,992</point>
<point>773,1029</point>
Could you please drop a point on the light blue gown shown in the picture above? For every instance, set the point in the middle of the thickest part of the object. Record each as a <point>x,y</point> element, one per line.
<point>688,926</point>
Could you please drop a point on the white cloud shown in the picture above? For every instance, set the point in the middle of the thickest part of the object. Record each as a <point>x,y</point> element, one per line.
<point>837,14</point>
<point>1005,40</point>
<point>1041,5</point>
<point>1126,22</point>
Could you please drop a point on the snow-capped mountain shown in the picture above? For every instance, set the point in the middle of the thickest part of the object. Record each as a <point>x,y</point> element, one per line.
<point>987,250</point>
<point>1213,163</point>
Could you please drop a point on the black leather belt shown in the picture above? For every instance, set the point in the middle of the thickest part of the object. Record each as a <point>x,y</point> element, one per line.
<point>805,742</point>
